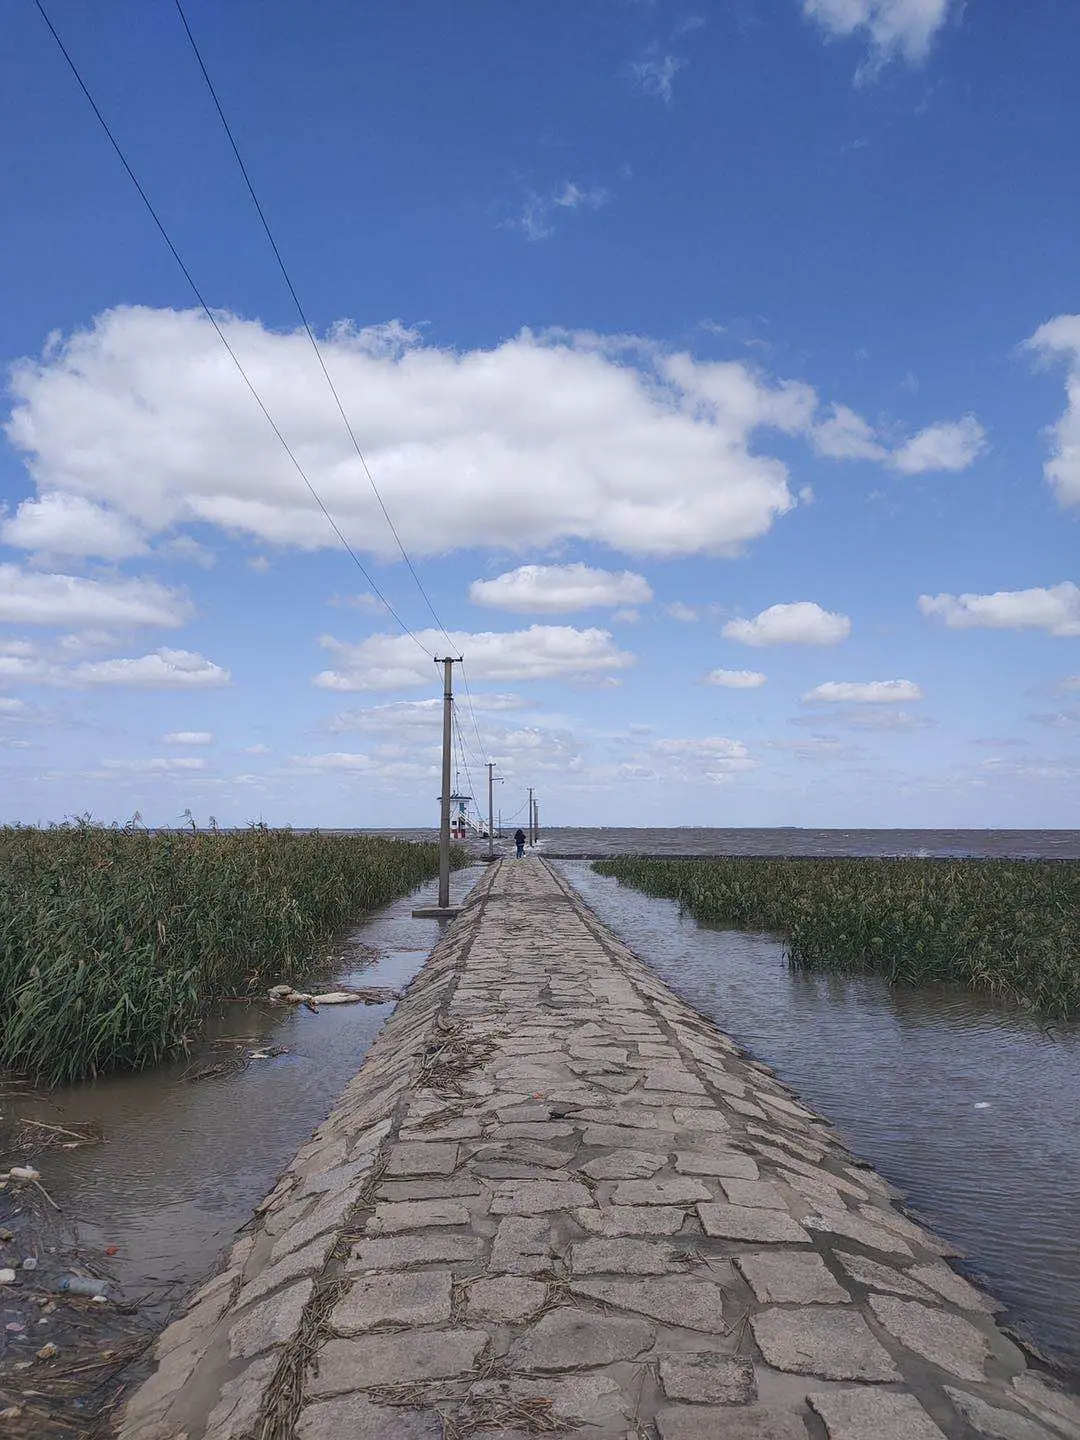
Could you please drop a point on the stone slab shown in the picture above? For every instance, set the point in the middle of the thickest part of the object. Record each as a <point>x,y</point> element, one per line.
<point>533,1197</point>
<point>716,1162</point>
<point>870,1414</point>
<point>568,1339</point>
<point>269,1322</point>
<point>680,1190</point>
<point>995,1420</point>
<point>612,1220</point>
<point>368,1360</point>
<point>393,1216</point>
<point>397,1251</point>
<point>354,1417</point>
<point>709,1422</point>
<point>622,1257</point>
<point>832,1343</point>
<point>505,1298</point>
<point>708,1379</point>
<point>793,1277</point>
<point>674,1299</point>
<point>415,1157</point>
<point>739,1222</point>
<point>945,1340</point>
<point>411,1297</point>
<point>624,1165</point>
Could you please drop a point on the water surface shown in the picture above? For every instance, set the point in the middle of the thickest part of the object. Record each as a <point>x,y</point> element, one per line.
<point>971,1109</point>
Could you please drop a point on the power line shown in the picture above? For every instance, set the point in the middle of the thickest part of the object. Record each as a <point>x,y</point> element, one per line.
<point>318,351</point>
<point>303,318</point>
<point>217,328</point>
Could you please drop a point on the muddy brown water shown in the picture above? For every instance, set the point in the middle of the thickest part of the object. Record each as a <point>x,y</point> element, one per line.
<point>970,1109</point>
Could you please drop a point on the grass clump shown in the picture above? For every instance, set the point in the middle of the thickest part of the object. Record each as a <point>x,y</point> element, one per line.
<point>1007,927</point>
<point>114,941</point>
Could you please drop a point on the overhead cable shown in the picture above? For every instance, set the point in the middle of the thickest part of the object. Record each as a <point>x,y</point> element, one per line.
<point>218,330</point>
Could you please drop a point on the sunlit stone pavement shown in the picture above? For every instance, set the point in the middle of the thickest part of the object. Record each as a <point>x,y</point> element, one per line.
<point>556,1200</point>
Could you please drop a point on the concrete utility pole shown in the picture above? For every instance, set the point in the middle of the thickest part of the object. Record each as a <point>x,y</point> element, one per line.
<point>536,820</point>
<point>530,816</point>
<point>491,810</point>
<point>444,910</point>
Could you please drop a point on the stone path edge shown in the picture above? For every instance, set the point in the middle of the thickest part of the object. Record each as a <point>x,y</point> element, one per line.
<point>295,1230</point>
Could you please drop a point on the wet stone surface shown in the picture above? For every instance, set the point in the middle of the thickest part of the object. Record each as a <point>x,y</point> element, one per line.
<point>554,1195</point>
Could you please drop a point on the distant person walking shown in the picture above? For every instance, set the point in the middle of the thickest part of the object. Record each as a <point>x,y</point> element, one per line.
<point>519,841</point>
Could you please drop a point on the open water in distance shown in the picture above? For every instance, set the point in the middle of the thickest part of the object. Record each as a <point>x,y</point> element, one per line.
<point>970,1109</point>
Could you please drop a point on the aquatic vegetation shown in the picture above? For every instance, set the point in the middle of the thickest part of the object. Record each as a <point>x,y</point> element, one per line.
<point>1009,927</point>
<point>115,941</point>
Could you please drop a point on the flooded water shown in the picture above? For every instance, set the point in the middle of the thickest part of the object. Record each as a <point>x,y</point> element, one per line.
<point>184,1164</point>
<point>971,1110</point>
<point>688,840</point>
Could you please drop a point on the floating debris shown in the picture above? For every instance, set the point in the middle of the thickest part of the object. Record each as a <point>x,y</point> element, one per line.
<point>365,995</point>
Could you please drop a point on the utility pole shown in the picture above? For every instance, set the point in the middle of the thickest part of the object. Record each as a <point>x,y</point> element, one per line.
<point>443,910</point>
<point>536,820</point>
<point>530,816</point>
<point>491,810</point>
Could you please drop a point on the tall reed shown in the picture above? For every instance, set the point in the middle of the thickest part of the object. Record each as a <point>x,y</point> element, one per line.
<point>1008,927</point>
<point>114,941</point>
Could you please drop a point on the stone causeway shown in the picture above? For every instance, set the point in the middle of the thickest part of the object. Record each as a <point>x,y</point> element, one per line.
<point>557,1201</point>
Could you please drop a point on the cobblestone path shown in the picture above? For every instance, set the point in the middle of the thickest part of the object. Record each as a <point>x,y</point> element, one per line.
<point>556,1200</point>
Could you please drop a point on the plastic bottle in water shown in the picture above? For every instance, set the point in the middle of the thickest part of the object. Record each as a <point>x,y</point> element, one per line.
<point>82,1285</point>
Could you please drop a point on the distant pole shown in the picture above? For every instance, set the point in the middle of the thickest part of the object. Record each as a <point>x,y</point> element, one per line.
<point>536,820</point>
<point>491,809</point>
<point>530,816</point>
<point>444,818</point>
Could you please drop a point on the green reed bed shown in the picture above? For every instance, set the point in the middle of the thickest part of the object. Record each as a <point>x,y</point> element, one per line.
<point>114,942</point>
<point>1008,927</point>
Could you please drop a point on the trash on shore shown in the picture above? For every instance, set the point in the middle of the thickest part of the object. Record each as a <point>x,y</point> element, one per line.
<point>365,995</point>
<point>237,1056</point>
<point>38,1135</point>
<point>7,1276</point>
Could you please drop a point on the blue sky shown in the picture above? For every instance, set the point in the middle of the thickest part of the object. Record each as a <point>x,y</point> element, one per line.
<point>718,364</point>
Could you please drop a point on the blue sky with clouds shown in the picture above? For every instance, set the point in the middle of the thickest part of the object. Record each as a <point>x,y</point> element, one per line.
<point>718,364</point>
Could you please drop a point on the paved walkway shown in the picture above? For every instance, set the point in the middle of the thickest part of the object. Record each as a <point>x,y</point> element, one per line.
<point>555,1200</point>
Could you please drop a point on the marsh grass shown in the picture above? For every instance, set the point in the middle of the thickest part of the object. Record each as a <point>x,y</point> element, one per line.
<point>1010,928</point>
<point>115,941</point>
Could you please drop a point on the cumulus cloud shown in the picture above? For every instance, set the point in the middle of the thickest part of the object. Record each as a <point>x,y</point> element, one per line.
<point>1060,339</point>
<point>405,716</point>
<point>713,757</point>
<point>163,669</point>
<point>735,679</point>
<point>678,610</point>
<point>30,597</point>
<point>188,737</point>
<point>800,623</point>
<point>903,28</point>
<point>542,652</point>
<point>1055,609</point>
<point>845,435</point>
<point>863,692</point>
<point>863,717</point>
<point>142,414</point>
<point>949,445</point>
<point>555,589</point>
<point>56,523</point>
<point>335,760</point>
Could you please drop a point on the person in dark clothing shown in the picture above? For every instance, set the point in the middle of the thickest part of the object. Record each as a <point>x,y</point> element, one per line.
<point>519,841</point>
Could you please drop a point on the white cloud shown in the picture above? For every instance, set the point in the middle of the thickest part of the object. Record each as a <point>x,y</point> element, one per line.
<point>680,611</point>
<point>656,74</point>
<point>845,435</point>
<point>164,765</point>
<point>260,564</point>
<point>1058,338</point>
<point>606,442</point>
<point>860,717</point>
<point>948,445</point>
<point>735,679</point>
<point>257,750</point>
<point>1055,609</point>
<point>711,758</point>
<point>56,523</point>
<point>1071,682</point>
<point>536,221</point>
<point>864,692</point>
<point>542,652</point>
<point>188,737</point>
<point>554,589</point>
<point>903,28</point>
<point>801,623</point>
<point>163,669</point>
<point>33,598</point>
<point>23,648</point>
<point>186,548</point>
